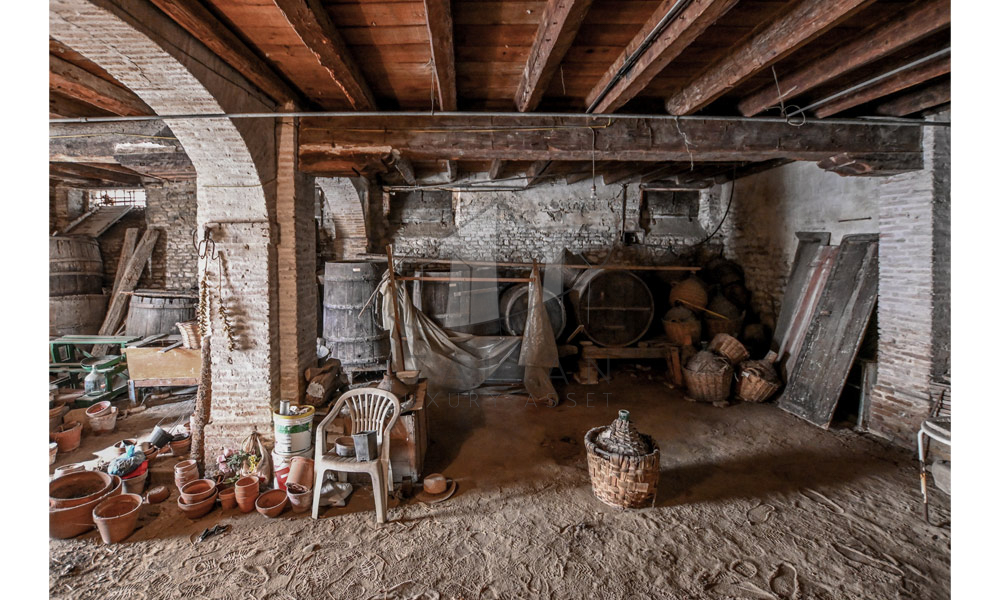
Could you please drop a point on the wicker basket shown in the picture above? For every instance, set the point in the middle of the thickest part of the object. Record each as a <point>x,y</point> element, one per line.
<point>708,387</point>
<point>752,385</point>
<point>682,333</point>
<point>623,478</point>
<point>190,334</point>
<point>729,347</point>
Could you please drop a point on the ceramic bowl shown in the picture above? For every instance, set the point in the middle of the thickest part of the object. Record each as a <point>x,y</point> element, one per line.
<point>271,504</point>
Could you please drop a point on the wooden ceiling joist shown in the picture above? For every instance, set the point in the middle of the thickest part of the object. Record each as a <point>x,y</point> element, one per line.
<point>891,85</point>
<point>496,168</point>
<point>317,31</point>
<point>876,42</point>
<point>561,20</point>
<point>207,29</point>
<point>683,29</point>
<point>70,80</point>
<point>451,170</point>
<point>98,174</point>
<point>576,138</point>
<point>536,172</point>
<point>441,33</point>
<point>803,22</point>
<point>929,97</point>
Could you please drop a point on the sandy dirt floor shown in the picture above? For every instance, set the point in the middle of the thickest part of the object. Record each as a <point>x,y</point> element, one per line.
<point>752,503</point>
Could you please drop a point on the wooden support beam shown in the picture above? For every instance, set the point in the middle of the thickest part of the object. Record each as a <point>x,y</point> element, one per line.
<point>878,41</point>
<point>928,97</point>
<point>577,138</point>
<point>451,170</point>
<point>313,25</point>
<point>496,168</point>
<point>891,85</point>
<point>440,32</point>
<point>575,177</point>
<point>851,164</point>
<point>83,86</point>
<point>202,24</point>
<point>676,36</point>
<point>105,173</point>
<point>802,23</point>
<point>65,107</point>
<point>125,285</point>
<point>561,19</point>
<point>624,172</point>
<point>128,248</point>
<point>536,172</point>
<point>402,165</point>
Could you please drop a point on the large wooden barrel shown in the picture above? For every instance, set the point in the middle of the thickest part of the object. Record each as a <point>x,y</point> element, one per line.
<point>514,309</point>
<point>77,315</point>
<point>347,286</point>
<point>75,266</point>
<point>151,312</point>
<point>614,307</point>
<point>464,306</point>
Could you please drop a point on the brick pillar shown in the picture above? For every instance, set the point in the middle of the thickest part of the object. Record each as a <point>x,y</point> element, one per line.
<point>65,205</point>
<point>296,265</point>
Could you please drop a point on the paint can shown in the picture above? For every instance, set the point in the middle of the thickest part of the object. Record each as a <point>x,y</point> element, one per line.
<point>293,433</point>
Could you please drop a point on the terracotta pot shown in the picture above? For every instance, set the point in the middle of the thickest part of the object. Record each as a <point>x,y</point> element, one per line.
<point>197,490</point>
<point>158,494</point>
<point>78,488</point>
<point>53,451</point>
<point>70,522</point>
<point>67,469</point>
<point>246,503</point>
<point>55,409</point>
<point>148,449</point>
<point>105,423</point>
<point>228,498</point>
<point>67,436</point>
<point>271,504</point>
<point>299,497</point>
<point>99,409</point>
<point>186,465</point>
<point>181,446</point>
<point>135,485</point>
<point>197,510</point>
<point>244,485</point>
<point>116,517</point>
<point>301,472</point>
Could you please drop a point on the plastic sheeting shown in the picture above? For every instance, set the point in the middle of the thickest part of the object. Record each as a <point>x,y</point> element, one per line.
<point>457,362</point>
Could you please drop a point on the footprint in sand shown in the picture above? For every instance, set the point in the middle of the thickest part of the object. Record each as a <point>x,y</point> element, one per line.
<point>744,568</point>
<point>859,556</point>
<point>785,582</point>
<point>760,513</point>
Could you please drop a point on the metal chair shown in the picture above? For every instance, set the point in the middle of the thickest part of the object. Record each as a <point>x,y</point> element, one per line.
<point>938,428</point>
<point>370,409</point>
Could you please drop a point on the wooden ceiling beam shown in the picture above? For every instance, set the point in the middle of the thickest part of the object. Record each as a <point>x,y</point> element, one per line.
<point>860,165</point>
<point>575,138</point>
<point>65,107</point>
<point>192,16</point>
<point>898,82</point>
<point>441,33</point>
<point>929,97</point>
<point>802,23</point>
<point>496,169</point>
<point>98,176</point>
<point>70,80</point>
<point>451,170</point>
<point>560,22</point>
<point>536,172</point>
<point>874,43</point>
<point>683,29</point>
<point>313,25</point>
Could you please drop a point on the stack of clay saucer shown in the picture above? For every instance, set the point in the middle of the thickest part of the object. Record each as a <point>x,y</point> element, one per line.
<point>185,472</point>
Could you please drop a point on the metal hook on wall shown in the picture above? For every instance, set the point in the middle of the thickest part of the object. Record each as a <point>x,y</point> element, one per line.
<point>206,246</point>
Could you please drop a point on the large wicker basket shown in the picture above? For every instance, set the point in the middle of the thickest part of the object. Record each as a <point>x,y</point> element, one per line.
<point>708,387</point>
<point>190,334</point>
<point>683,333</point>
<point>751,385</point>
<point>728,346</point>
<point>619,479</point>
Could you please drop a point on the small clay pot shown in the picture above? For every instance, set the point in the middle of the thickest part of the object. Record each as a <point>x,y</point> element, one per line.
<point>299,497</point>
<point>53,451</point>
<point>435,483</point>
<point>67,469</point>
<point>301,472</point>
<point>116,517</point>
<point>186,466</point>
<point>197,490</point>
<point>228,498</point>
<point>246,503</point>
<point>157,494</point>
<point>198,509</point>
<point>271,504</point>
<point>182,445</point>
<point>67,436</point>
<point>247,485</point>
<point>99,409</point>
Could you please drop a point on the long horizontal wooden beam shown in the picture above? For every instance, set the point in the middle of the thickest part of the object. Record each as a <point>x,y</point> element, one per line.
<point>802,23</point>
<point>896,83</point>
<point>83,86</point>
<point>440,32</point>
<point>207,29</point>
<point>576,138</point>
<point>683,29</point>
<point>560,22</point>
<point>876,42</point>
<point>317,31</point>
<point>929,97</point>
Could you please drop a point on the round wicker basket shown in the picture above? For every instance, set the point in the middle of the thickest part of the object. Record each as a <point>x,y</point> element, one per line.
<point>729,347</point>
<point>751,383</point>
<point>682,333</point>
<point>708,387</point>
<point>621,477</point>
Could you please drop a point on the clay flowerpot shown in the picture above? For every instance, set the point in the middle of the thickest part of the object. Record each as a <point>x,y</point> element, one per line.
<point>105,423</point>
<point>247,485</point>
<point>197,510</point>
<point>99,409</point>
<point>116,517</point>
<point>181,445</point>
<point>67,436</point>
<point>197,490</point>
<point>53,450</point>
<point>301,472</point>
<point>228,498</point>
<point>186,466</point>
<point>271,504</point>
<point>70,522</point>
<point>78,488</point>
<point>149,450</point>
<point>67,469</point>
<point>157,494</point>
<point>299,497</point>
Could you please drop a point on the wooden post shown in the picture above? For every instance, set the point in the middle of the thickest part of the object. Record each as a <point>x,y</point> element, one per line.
<point>202,404</point>
<point>401,363</point>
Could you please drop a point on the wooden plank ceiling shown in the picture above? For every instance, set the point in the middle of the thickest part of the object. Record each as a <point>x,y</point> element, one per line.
<point>684,57</point>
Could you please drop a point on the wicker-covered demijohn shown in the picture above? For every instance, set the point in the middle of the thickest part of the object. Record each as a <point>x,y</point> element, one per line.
<point>682,326</point>
<point>729,347</point>
<point>756,381</point>
<point>708,377</point>
<point>624,464</point>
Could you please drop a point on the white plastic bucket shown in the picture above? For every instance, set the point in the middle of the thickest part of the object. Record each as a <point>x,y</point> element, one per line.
<point>293,433</point>
<point>282,461</point>
<point>105,423</point>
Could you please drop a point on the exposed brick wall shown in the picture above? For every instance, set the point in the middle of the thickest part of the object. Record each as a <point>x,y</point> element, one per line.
<point>111,248</point>
<point>65,205</point>
<point>172,208</point>
<point>341,221</point>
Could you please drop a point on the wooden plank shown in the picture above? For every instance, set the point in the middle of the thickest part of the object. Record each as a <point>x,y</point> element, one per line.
<point>451,170</point>
<point>803,266</point>
<point>673,39</point>
<point>878,41</point>
<point>561,20</point>
<point>802,23</point>
<point>128,248</point>
<point>891,85</point>
<point>83,86</point>
<point>312,23</point>
<point>440,31</point>
<point>151,363</point>
<point>835,332</point>
<point>402,165</point>
<point>524,137</point>
<point>98,221</point>
<point>130,277</point>
<point>872,165</point>
<point>496,168</point>
<point>536,172</point>
<point>206,28</point>
<point>928,97</point>
<point>599,352</point>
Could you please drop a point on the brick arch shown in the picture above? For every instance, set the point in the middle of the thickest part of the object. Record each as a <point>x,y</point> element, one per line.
<point>236,170</point>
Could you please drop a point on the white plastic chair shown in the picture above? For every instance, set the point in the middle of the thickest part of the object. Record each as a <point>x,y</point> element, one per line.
<point>938,428</point>
<point>370,409</point>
